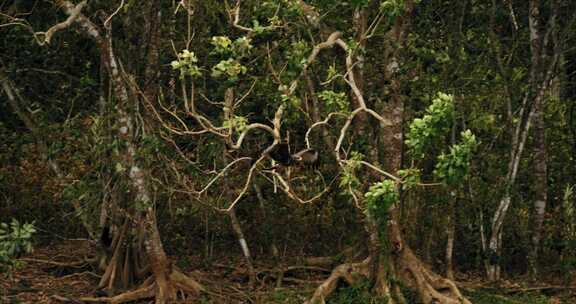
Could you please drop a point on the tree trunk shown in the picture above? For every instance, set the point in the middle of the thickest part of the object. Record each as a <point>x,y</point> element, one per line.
<point>242,241</point>
<point>166,280</point>
<point>541,73</point>
<point>540,187</point>
<point>395,260</point>
<point>450,231</point>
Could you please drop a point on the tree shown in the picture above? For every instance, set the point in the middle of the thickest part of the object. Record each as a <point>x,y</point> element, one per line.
<point>545,52</point>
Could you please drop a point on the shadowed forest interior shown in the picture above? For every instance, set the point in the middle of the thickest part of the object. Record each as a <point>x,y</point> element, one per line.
<point>288,151</point>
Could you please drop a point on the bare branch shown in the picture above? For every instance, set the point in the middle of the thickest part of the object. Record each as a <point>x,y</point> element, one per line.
<point>221,174</point>
<point>320,123</point>
<point>373,167</point>
<point>73,13</point>
<point>285,187</point>
<point>246,185</point>
<point>107,22</point>
<point>329,43</point>
<point>234,15</point>
<point>248,129</point>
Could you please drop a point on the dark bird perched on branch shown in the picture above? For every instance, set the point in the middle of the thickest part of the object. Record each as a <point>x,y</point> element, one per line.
<point>308,158</point>
<point>280,153</point>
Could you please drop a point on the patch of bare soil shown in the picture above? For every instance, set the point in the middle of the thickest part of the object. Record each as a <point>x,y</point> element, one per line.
<point>60,269</point>
<point>67,271</point>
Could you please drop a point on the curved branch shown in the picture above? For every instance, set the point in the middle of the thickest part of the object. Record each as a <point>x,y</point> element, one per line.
<point>335,36</point>
<point>375,168</point>
<point>234,15</point>
<point>344,130</point>
<point>320,123</point>
<point>107,22</point>
<point>291,194</point>
<point>74,12</point>
<point>221,173</point>
<point>248,129</point>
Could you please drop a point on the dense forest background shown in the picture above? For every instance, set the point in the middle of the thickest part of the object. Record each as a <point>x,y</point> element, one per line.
<point>288,151</point>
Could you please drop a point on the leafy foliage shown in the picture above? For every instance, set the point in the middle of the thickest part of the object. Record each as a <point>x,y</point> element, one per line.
<point>15,239</point>
<point>349,180</point>
<point>379,198</point>
<point>410,177</point>
<point>453,167</point>
<point>392,8</point>
<point>229,68</point>
<point>236,123</point>
<point>334,101</point>
<point>424,132</point>
<point>186,64</point>
<point>224,46</point>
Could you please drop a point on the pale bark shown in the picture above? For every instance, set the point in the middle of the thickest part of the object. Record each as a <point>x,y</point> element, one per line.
<point>242,241</point>
<point>450,232</point>
<point>162,287</point>
<point>540,77</point>
<point>540,187</point>
<point>236,227</point>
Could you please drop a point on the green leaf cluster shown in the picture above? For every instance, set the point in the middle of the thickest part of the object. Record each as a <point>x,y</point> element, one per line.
<point>424,132</point>
<point>453,167</point>
<point>392,8</point>
<point>349,178</point>
<point>15,239</point>
<point>221,44</point>
<point>224,46</point>
<point>410,177</point>
<point>297,54</point>
<point>334,101</point>
<point>262,29</point>
<point>236,123</point>
<point>186,64</point>
<point>379,198</point>
<point>229,68</point>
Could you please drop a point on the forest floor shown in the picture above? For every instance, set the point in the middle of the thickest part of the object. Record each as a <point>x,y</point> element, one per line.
<point>59,274</point>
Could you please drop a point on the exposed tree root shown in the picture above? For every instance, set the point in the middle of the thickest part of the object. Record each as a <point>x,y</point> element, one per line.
<point>178,284</point>
<point>348,272</point>
<point>404,266</point>
<point>76,264</point>
<point>128,265</point>
<point>431,287</point>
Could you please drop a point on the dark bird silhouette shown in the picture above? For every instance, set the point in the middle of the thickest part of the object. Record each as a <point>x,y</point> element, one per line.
<point>281,154</point>
<point>308,158</point>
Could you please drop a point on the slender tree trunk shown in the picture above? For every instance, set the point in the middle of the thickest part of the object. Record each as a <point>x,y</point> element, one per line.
<point>540,77</point>
<point>541,186</point>
<point>450,232</point>
<point>242,241</point>
<point>236,227</point>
